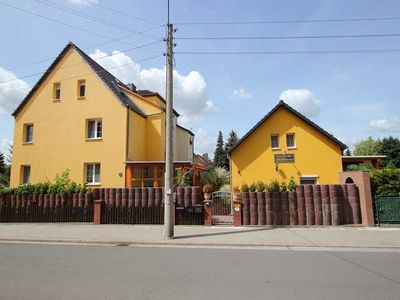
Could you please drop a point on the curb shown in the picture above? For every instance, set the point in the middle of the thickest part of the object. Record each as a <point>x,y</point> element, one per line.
<point>170,243</point>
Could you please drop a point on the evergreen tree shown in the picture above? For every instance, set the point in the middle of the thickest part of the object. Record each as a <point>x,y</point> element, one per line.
<point>391,148</point>
<point>10,153</point>
<point>347,152</point>
<point>219,153</point>
<point>230,142</point>
<point>2,162</point>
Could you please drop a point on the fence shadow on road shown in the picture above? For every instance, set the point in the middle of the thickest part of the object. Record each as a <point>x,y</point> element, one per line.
<point>189,236</point>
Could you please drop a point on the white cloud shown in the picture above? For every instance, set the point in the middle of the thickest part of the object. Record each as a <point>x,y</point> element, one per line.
<point>386,125</point>
<point>4,146</point>
<point>83,2</point>
<point>190,90</point>
<point>204,142</point>
<point>241,93</point>
<point>303,100</point>
<point>12,91</point>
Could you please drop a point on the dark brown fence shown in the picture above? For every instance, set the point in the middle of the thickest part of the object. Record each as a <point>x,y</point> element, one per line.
<point>119,206</point>
<point>145,206</point>
<point>47,208</point>
<point>308,205</point>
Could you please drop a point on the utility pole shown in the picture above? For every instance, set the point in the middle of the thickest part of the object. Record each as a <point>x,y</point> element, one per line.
<point>169,137</point>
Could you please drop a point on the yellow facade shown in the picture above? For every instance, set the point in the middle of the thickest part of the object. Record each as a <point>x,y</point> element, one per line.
<point>316,155</point>
<point>60,127</point>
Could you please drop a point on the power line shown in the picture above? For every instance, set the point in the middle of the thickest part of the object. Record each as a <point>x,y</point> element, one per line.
<point>67,66</point>
<point>290,21</point>
<point>125,14</point>
<point>86,48</point>
<point>379,35</point>
<point>88,16</point>
<point>65,24</point>
<point>351,51</point>
<point>101,71</point>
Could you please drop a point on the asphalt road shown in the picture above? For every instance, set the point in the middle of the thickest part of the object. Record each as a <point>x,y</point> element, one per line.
<point>75,272</point>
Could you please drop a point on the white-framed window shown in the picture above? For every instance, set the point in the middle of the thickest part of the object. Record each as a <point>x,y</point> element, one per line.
<point>290,140</point>
<point>57,91</point>
<point>81,88</point>
<point>92,173</point>
<point>94,129</point>
<point>308,179</point>
<point>26,174</point>
<point>28,133</point>
<point>274,141</point>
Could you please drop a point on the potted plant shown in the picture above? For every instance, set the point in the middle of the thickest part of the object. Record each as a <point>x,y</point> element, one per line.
<point>237,197</point>
<point>207,192</point>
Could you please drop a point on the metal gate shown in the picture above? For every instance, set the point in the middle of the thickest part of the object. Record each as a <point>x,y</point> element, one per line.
<point>387,209</point>
<point>221,203</point>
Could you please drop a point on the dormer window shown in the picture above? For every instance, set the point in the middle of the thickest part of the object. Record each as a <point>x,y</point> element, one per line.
<point>81,88</point>
<point>57,91</point>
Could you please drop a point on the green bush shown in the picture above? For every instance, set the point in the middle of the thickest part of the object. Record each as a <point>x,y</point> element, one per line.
<point>360,167</point>
<point>291,186</point>
<point>61,184</point>
<point>252,187</point>
<point>182,178</point>
<point>283,187</point>
<point>273,186</point>
<point>385,182</point>
<point>244,187</point>
<point>217,177</point>
<point>260,186</point>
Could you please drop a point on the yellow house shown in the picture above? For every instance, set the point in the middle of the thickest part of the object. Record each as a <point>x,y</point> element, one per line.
<point>80,117</point>
<point>286,144</point>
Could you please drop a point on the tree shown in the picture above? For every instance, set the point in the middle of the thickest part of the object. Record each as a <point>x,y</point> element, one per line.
<point>231,141</point>
<point>4,171</point>
<point>347,152</point>
<point>219,153</point>
<point>10,154</point>
<point>367,147</point>
<point>2,162</point>
<point>391,148</point>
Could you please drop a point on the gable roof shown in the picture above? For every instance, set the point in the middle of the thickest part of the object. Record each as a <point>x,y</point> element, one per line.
<point>108,79</point>
<point>295,112</point>
<point>187,130</point>
<point>148,93</point>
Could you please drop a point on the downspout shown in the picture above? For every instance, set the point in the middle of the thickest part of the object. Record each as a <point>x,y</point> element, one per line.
<point>126,145</point>
<point>127,135</point>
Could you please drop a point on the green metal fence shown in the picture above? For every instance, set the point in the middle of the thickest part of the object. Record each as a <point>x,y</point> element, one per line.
<point>388,209</point>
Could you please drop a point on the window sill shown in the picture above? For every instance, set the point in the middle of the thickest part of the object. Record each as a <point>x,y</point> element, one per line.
<point>27,143</point>
<point>56,100</point>
<point>291,148</point>
<point>276,149</point>
<point>93,184</point>
<point>93,139</point>
<point>81,98</point>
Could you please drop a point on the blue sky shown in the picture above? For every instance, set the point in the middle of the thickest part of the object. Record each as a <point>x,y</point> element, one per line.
<point>350,95</point>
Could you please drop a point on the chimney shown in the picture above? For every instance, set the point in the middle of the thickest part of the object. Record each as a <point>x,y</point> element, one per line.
<point>132,87</point>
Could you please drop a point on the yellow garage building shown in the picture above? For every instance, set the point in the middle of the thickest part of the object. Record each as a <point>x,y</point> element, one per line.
<point>286,144</point>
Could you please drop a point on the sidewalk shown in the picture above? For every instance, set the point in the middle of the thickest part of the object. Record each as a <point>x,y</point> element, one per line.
<point>316,238</point>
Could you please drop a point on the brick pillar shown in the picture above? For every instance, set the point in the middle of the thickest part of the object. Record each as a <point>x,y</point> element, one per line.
<point>97,208</point>
<point>207,213</point>
<point>362,180</point>
<point>237,209</point>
